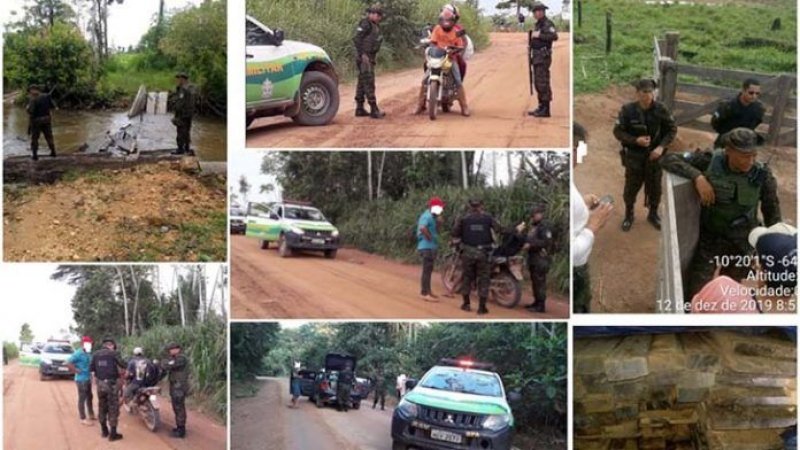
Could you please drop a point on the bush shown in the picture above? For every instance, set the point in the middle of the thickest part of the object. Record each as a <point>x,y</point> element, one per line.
<point>205,345</point>
<point>10,350</point>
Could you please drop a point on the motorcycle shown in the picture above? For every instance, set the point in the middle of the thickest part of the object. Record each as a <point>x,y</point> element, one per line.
<point>145,403</point>
<point>505,287</point>
<point>441,85</point>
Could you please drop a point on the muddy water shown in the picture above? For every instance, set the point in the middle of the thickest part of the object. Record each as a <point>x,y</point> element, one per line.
<point>73,129</point>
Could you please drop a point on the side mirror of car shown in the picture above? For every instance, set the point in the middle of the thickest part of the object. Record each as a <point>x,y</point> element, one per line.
<point>279,37</point>
<point>514,397</point>
<point>410,384</point>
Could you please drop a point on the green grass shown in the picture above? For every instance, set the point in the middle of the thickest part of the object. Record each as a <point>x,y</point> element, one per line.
<point>203,238</point>
<point>736,36</point>
<point>124,73</point>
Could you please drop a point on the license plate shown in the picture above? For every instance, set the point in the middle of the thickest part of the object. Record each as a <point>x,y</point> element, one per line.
<point>63,369</point>
<point>441,435</point>
<point>318,241</point>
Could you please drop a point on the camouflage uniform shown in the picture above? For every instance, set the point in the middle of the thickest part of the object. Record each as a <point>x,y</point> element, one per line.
<point>539,260</point>
<point>581,289</point>
<point>367,42</point>
<point>184,111</point>
<point>725,225</point>
<point>41,123</point>
<point>541,57</point>
<point>343,386</point>
<point>105,364</point>
<point>177,368</point>
<point>380,390</point>
<point>475,232</point>
<point>633,122</point>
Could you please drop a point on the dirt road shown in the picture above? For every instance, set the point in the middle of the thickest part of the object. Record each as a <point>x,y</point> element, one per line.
<point>265,422</point>
<point>498,95</point>
<point>354,285</point>
<point>43,414</point>
<point>624,266</point>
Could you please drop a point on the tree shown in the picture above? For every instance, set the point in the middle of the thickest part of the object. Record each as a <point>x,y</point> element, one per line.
<point>518,4</point>
<point>25,334</point>
<point>244,188</point>
<point>249,344</point>
<point>45,14</point>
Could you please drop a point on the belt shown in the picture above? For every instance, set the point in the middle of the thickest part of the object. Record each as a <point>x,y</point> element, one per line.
<point>108,380</point>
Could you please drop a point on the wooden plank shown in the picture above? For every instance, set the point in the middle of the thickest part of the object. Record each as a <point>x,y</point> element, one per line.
<point>788,137</point>
<point>671,47</point>
<point>669,82</point>
<point>715,74</point>
<point>784,85</point>
<point>767,97</point>
<point>690,110</point>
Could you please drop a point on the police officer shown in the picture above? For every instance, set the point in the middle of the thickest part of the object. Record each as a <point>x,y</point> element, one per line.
<point>177,369</point>
<point>343,386</point>
<point>184,111</point>
<point>539,240</point>
<point>381,389</point>
<point>730,183</point>
<point>105,365</point>
<point>644,128</point>
<point>41,120</point>
<point>541,48</point>
<point>368,41</point>
<point>474,231</point>
<point>744,110</point>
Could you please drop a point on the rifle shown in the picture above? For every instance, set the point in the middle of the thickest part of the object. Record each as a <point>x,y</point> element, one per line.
<point>530,60</point>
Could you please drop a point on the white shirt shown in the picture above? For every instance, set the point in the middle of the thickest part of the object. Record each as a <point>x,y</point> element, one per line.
<point>582,237</point>
<point>401,384</point>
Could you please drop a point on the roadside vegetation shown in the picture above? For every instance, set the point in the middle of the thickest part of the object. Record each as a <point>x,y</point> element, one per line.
<point>331,25</point>
<point>732,35</point>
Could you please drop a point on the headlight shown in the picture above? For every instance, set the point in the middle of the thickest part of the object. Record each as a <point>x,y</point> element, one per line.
<point>335,233</point>
<point>497,422</point>
<point>408,409</point>
<point>47,361</point>
<point>296,230</point>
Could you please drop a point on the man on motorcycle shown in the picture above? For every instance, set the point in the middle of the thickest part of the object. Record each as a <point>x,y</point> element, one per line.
<point>539,240</point>
<point>474,231</point>
<point>141,373</point>
<point>446,37</point>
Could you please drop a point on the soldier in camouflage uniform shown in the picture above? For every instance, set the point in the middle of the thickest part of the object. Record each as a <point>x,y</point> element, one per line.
<point>474,230</point>
<point>381,388</point>
<point>105,365</point>
<point>645,128</point>
<point>177,368</point>
<point>184,111</point>
<point>730,183</point>
<point>368,41</point>
<point>343,386</point>
<point>541,48</point>
<point>539,240</point>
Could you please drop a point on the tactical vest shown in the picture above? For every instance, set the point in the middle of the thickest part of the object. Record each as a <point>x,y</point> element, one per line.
<point>476,230</point>
<point>735,209</point>
<point>105,365</point>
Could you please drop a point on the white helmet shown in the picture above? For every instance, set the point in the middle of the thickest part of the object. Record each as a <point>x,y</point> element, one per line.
<point>138,351</point>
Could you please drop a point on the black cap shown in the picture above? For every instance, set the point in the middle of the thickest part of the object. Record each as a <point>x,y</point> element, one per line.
<point>475,202</point>
<point>538,208</point>
<point>742,139</point>
<point>108,339</point>
<point>645,85</point>
<point>539,5</point>
<point>172,345</point>
<point>34,87</point>
<point>182,75</point>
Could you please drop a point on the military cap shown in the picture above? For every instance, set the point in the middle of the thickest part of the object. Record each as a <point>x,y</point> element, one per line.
<point>539,5</point>
<point>34,87</point>
<point>182,75</point>
<point>538,208</point>
<point>108,339</point>
<point>376,8</point>
<point>742,139</point>
<point>475,202</point>
<point>645,85</point>
<point>172,345</point>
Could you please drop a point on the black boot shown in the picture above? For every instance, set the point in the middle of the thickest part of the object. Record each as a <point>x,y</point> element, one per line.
<point>114,436</point>
<point>104,430</point>
<point>482,306</point>
<point>653,218</point>
<point>52,153</point>
<point>536,307</point>
<point>465,304</point>
<point>360,111</point>
<point>628,222</point>
<point>542,111</point>
<point>374,112</point>
<point>179,432</point>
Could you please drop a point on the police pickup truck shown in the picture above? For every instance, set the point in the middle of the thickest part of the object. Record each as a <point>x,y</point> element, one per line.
<point>291,226</point>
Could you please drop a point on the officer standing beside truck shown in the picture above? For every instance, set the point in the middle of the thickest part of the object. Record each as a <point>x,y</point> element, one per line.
<point>367,42</point>
<point>343,386</point>
<point>730,184</point>
<point>644,128</point>
<point>106,364</point>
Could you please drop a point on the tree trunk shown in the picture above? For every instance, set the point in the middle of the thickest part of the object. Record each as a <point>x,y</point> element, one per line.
<point>464,175</point>
<point>369,174</point>
<point>180,298</point>
<point>124,300</point>
<point>380,175</point>
<point>136,286</point>
<point>510,169</point>
<point>478,170</point>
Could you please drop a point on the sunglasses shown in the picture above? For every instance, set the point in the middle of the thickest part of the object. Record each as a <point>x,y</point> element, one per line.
<point>753,92</point>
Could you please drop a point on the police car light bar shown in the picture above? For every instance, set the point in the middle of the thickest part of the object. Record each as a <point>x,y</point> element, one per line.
<point>296,202</point>
<point>466,364</point>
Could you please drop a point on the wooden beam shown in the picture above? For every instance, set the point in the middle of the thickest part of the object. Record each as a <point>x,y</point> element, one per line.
<point>672,40</point>
<point>690,110</point>
<point>715,74</point>
<point>785,84</point>
<point>767,96</point>
<point>669,82</point>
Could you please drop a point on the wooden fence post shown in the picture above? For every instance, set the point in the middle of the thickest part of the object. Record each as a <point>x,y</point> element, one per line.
<point>668,70</point>
<point>608,31</point>
<point>671,50</point>
<point>782,93</point>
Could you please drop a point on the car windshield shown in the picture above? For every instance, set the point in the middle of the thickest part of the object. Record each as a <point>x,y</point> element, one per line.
<point>64,349</point>
<point>303,214</point>
<point>458,380</point>
<point>237,212</point>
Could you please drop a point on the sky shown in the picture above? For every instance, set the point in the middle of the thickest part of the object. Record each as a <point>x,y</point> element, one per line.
<point>488,6</point>
<point>127,22</point>
<point>45,303</point>
<point>248,163</point>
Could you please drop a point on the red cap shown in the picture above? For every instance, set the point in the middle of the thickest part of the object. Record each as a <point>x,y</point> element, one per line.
<point>435,201</point>
<point>86,339</point>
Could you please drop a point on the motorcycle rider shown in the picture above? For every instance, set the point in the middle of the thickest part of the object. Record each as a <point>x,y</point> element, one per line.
<point>446,36</point>
<point>474,231</point>
<point>141,373</point>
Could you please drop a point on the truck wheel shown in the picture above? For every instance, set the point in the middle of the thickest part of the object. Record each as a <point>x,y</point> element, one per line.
<point>319,99</point>
<point>357,405</point>
<point>283,248</point>
<point>264,245</point>
<point>398,446</point>
<point>318,402</point>
<point>42,376</point>
<point>330,254</point>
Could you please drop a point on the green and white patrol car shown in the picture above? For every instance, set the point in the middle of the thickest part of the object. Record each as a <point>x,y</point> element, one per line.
<point>291,226</point>
<point>458,404</point>
<point>288,78</point>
